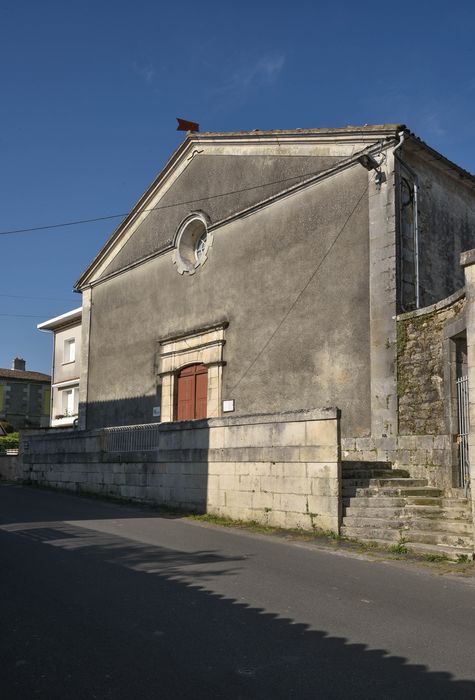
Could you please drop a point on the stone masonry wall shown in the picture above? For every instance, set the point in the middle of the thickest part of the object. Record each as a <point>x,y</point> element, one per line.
<point>420,370</point>
<point>278,469</point>
<point>423,444</point>
<point>9,467</point>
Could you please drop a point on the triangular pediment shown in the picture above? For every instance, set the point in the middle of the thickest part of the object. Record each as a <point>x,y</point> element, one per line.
<point>222,174</point>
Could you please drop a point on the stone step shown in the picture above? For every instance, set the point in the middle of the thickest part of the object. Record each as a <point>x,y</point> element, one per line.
<point>459,502</point>
<point>355,510</point>
<point>452,553</point>
<point>393,535</point>
<point>418,500</point>
<point>443,538</point>
<point>371,534</point>
<point>368,466</point>
<point>398,482</point>
<point>449,527</point>
<point>360,521</point>
<point>444,525</point>
<point>389,482</point>
<point>439,512</point>
<point>443,550</point>
<point>350,474</point>
<point>374,509</point>
<point>421,491</point>
<point>376,501</point>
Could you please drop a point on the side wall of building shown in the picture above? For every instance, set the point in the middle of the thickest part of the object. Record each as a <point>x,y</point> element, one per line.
<point>66,374</point>
<point>23,403</point>
<point>446,227</point>
<point>292,281</point>
<point>64,369</point>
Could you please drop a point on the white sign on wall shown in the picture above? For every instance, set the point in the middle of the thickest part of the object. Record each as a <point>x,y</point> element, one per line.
<point>228,406</point>
<point>156,411</point>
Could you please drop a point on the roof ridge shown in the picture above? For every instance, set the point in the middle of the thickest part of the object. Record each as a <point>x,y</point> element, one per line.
<point>313,130</point>
<point>24,374</point>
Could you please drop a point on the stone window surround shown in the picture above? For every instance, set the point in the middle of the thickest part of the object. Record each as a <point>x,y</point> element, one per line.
<point>201,346</point>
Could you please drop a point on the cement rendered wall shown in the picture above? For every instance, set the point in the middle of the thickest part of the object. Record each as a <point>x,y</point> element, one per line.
<point>446,216</point>
<point>277,356</point>
<point>283,469</point>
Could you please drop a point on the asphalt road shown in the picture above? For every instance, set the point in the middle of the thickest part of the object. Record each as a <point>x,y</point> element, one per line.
<point>104,601</point>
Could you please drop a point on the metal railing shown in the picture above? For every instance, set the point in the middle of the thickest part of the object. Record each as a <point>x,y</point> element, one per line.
<point>132,438</point>
<point>463,431</point>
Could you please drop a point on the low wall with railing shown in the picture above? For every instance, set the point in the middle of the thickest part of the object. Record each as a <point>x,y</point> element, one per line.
<point>280,469</point>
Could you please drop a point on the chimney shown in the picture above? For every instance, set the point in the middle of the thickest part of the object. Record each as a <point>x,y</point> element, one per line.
<point>18,363</point>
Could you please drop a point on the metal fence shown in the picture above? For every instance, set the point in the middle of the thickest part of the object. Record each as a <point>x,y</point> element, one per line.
<point>132,438</point>
<point>463,431</point>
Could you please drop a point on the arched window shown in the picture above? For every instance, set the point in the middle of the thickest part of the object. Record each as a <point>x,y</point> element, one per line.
<point>191,392</point>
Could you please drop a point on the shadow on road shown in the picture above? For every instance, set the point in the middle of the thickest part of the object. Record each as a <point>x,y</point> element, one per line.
<point>68,506</point>
<point>94,615</point>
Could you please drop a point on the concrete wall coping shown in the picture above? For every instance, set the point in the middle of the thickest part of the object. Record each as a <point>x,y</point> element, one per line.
<point>467,257</point>
<point>438,306</point>
<point>330,413</point>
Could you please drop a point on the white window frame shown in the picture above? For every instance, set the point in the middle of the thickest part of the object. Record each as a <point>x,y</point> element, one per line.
<point>69,401</point>
<point>69,351</point>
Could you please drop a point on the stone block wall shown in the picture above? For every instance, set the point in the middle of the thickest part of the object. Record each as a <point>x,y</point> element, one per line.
<point>420,367</point>
<point>279,469</point>
<point>423,456</point>
<point>9,467</point>
<point>424,441</point>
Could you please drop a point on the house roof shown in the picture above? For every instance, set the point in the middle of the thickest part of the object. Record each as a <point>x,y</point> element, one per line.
<point>436,156</point>
<point>25,375</point>
<point>65,319</point>
<point>350,129</point>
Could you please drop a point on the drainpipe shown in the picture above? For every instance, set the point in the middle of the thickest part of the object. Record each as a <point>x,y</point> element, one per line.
<point>415,214</point>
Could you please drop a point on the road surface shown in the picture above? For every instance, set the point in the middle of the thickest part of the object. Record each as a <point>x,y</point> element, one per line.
<point>105,601</point>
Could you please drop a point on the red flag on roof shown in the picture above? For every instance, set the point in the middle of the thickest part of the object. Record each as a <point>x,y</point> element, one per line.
<point>183,125</point>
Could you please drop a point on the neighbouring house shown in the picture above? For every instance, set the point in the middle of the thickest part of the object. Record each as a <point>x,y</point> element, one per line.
<point>281,330</point>
<point>24,396</point>
<point>66,331</point>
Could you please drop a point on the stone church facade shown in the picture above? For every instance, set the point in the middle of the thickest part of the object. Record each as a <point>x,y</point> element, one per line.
<point>274,273</point>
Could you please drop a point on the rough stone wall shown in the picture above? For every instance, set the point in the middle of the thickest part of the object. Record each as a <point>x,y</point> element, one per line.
<point>420,371</point>
<point>282,470</point>
<point>423,456</point>
<point>424,444</point>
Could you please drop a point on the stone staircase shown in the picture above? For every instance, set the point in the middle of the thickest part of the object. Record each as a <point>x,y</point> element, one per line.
<point>387,506</point>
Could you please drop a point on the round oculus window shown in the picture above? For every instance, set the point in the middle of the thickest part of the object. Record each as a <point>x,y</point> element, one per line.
<point>201,246</point>
<point>193,241</point>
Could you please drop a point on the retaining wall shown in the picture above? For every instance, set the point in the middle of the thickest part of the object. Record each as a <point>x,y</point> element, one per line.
<point>280,469</point>
<point>10,467</point>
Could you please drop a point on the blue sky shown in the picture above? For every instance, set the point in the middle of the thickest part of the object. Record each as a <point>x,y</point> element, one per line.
<point>90,92</point>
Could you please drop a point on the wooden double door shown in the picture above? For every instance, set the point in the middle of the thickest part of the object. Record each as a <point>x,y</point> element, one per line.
<point>191,392</point>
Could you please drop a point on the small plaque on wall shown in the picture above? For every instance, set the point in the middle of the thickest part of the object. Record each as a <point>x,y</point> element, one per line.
<point>228,406</point>
<point>156,411</point>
